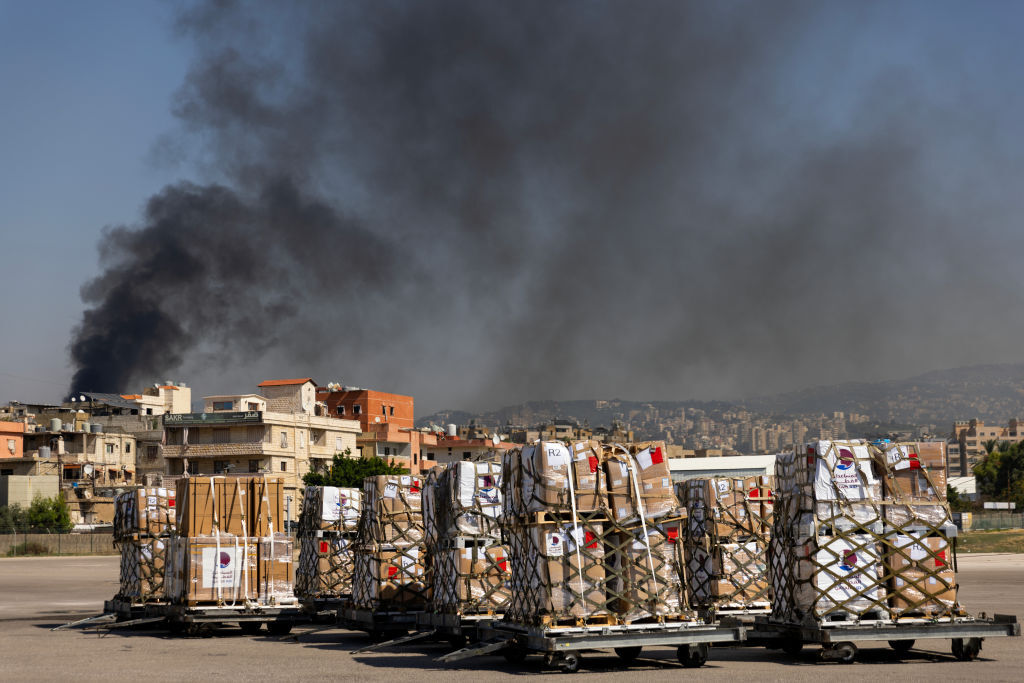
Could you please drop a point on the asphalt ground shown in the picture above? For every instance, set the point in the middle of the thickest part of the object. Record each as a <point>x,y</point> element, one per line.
<point>39,593</point>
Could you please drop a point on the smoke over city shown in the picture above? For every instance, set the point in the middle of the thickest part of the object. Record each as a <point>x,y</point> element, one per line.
<point>482,202</point>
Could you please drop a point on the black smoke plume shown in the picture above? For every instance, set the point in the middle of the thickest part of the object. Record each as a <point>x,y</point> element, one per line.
<point>486,202</point>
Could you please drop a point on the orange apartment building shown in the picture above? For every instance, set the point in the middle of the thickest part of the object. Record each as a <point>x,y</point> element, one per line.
<point>12,440</point>
<point>387,422</point>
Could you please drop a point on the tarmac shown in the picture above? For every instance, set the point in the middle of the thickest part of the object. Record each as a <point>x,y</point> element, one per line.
<point>37,594</point>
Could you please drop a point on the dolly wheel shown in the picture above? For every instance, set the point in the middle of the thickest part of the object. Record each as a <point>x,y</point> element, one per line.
<point>792,647</point>
<point>250,628</point>
<point>628,654</point>
<point>514,654</point>
<point>966,650</point>
<point>844,653</point>
<point>692,656</point>
<point>901,646</point>
<point>279,628</point>
<point>570,664</point>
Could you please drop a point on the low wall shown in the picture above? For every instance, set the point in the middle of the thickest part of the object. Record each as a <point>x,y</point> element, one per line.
<point>57,544</point>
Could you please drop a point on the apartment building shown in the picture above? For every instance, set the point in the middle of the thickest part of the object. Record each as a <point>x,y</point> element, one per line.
<point>282,430</point>
<point>971,435</point>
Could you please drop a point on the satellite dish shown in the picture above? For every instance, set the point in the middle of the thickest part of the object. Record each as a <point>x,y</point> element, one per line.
<point>73,399</point>
<point>495,440</point>
<point>377,419</point>
<point>81,398</point>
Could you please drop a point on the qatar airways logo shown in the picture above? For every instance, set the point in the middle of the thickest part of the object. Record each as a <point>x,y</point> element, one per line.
<point>846,459</point>
<point>224,561</point>
<point>849,562</point>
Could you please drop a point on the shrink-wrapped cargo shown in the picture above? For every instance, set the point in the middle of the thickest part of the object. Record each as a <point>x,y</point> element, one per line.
<point>143,563</point>
<point>470,576</point>
<point>330,509</point>
<point>391,510</point>
<point>390,578</point>
<point>147,511</point>
<point>212,569</point>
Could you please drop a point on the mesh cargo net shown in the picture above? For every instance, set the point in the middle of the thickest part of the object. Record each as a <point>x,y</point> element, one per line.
<point>849,546</point>
<point>726,542</point>
<point>329,509</point>
<point>143,562</point>
<point>390,556</point>
<point>144,511</point>
<point>468,566</point>
<point>594,534</point>
<point>325,567</point>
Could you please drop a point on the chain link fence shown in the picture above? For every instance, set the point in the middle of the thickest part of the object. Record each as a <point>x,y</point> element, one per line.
<point>988,521</point>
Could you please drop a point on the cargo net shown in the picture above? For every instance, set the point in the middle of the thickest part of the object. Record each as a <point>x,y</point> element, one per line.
<point>144,512</point>
<point>325,567</point>
<point>390,578</point>
<point>391,511</point>
<point>470,576</point>
<point>143,562</point>
<point>726,542</point>
<point>329,510</point>
<point>840,552</point>
<point>462,499</point>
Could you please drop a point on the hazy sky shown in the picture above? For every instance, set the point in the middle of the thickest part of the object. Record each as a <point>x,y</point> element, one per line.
<point>480,203</point>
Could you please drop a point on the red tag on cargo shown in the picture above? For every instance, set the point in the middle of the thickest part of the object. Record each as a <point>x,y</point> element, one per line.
<point>170,502</point>
<point>656,456</point>
<point>672,533</point>
<point>587,538</point>
<point>503,564</point>
<point>392,572</point>
<point>940,558</point>
<point>592,459</point>
<point>325,547</point>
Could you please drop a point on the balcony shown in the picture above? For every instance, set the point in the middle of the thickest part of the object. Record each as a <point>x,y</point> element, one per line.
<point>219,450</point>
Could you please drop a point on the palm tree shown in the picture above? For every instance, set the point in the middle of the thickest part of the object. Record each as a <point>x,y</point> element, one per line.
<point>990,445</point>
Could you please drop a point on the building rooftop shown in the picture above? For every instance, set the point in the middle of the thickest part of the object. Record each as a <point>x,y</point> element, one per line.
<point>285,382</point>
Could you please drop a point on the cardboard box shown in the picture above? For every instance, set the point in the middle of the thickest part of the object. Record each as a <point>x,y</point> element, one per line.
<point>545,476</point>
<point>329,508</point>
<point>229,505</point>
<point>266,506</point>
<point>916,471</point>
<point>564,582</point>
<point>589,479</point>
<point>143,568</point>
<point>232,510</point>
<point>843,470</point>
<point>148,511</point>
<point>925,593</point>
<point>644,572</point>
<point>195,505</point>
<point>206,569</point>
<point>848,575</point>
<point>389,578</point>
<point>472,579</point>
<point>325,567</point>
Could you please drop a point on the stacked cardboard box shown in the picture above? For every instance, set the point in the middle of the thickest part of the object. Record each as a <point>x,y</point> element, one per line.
<point>594,532</point>
<point>727,542</point>
<point>918,528</point>
<point>143,523</point>
<point>390,556</point>
<point>861,532</point>
<point>327,531</point>
<point>468,566</point>
<point>229,545</point>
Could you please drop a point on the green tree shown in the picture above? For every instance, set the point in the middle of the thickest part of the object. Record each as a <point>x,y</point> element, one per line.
<point>990,446</point>
<point>349,472</point>
<point>49,514</point>
<point>1000,474</point>
<point>12,518</point>
<point>957,503</point>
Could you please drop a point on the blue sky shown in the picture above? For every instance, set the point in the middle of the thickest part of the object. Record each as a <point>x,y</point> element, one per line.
<point>86,93</point>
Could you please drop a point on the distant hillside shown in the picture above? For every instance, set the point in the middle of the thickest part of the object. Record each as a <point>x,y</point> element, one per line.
<point>994,393</point>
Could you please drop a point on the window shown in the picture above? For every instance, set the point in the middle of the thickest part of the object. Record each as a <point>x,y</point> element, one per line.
<point>466,455</point>
<point>252,405</point>
<point>6,473</point>
<point>149,411</point>
<point>220,466</point>
<point>302,439</point>
<point>284,439</point>
<point>383,410</point>
<point>340,409</point>
<point>254,465</point>
<point>223,405</point>
<point>284,466</point>
<point>110,449</point>
<point>193,467</point>
<point>415,458</point>
<point>339,443</point>
<point>391,410</point>
<point>356,410</point>
<point>152,452</point>
<point>222,436</point>
<point>11,445</point>
<point>127,448</point>
<point>387,450</point>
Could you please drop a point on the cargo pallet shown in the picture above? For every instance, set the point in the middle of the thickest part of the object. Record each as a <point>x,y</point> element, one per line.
<point>837,638</point>
<point>378,624</point>
<point>561,646</point>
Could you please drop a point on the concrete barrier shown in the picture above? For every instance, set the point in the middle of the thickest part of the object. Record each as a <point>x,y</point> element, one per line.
<point>57,544</point>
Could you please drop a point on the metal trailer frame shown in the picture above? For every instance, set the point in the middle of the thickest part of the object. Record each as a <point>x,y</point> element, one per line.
<point>377,624</point>
<point>837,639</point>
<point>201,619</point>
<point>118,613</point>
<point>322,610</point>
<point>561,646</point>
<point>457,629</point>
